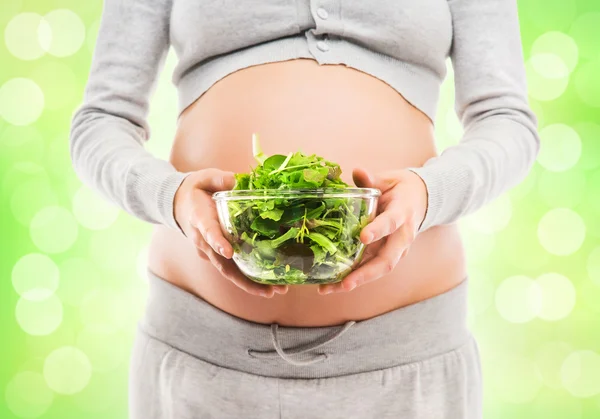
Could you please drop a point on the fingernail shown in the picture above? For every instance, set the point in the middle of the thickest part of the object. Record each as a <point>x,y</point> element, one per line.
<point>352,287</point>
<point>369,237</point>
<point>221,251</point>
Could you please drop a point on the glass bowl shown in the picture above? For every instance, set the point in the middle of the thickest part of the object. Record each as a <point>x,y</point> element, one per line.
<point>296,236</point>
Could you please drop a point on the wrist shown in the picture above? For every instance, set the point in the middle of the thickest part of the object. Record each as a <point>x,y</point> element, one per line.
<point>420,198</point>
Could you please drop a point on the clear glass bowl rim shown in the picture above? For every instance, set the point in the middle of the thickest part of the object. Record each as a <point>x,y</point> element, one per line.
<point>248,194</point>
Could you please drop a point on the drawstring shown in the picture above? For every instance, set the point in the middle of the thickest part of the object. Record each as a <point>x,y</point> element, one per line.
<point>285,355</point>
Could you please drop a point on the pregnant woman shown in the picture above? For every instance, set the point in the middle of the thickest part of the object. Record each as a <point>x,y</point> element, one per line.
<point>353,81</point>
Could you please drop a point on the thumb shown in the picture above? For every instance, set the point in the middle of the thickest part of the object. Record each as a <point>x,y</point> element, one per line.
<point>214,180</point>
<point>363,178</point>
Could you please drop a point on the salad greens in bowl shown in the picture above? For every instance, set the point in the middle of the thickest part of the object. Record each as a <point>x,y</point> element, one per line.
<point>292,220</point>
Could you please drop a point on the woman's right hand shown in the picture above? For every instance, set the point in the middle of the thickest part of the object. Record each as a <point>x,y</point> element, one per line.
<point>196,213</point>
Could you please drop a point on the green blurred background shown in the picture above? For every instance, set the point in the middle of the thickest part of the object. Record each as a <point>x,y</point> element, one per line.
<point>72,266</point>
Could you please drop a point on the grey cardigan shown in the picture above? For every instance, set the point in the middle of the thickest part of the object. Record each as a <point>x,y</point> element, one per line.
<point>402,42</point>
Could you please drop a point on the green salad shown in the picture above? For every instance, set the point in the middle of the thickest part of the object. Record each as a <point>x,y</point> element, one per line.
<point>296,239</point>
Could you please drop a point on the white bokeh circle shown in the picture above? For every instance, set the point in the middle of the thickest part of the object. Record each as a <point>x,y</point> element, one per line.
<point>20,35</point>
<point>93,211</point>
<point>67,370</point>
<point>21,101</point>
<point>67,33</point>
<point>580,372</point>
<point>561,231</point>
<point>559,43</point>
<point>35,276</point>
<point>27,395</point>
<point>558,296</point>
<point>518,299</point>
<point>547,76</point>
<point>53,229</point>
<point>39,317</point>
<point>560,149</point>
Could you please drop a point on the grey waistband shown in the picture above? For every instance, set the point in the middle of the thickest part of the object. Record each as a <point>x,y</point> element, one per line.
<point>408,334</point>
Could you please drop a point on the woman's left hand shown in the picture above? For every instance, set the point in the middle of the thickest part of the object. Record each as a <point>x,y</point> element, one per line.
<point>400,210</point>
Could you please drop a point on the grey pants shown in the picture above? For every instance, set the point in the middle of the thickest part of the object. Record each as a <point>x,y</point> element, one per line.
<point>193,360</point>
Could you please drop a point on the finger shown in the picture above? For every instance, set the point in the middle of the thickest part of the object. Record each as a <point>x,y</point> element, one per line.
<point>370,252</point>
<point>230,271</point>
<point>386,223</point>
<point>213,180</point>
<point>385,261</point>
<point>199,243</point>
<point>204,217</point>
<point>363,178</point>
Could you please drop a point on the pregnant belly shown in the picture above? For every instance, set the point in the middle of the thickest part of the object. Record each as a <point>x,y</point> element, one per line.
<point>342,114</point>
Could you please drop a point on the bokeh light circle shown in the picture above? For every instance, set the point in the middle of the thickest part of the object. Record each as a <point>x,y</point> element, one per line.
<point>518,299</point>
<point>560,149</point>
<point>103,345</point>
<point>561,231</point>
<point>35,276</point>
<point>53,229</point>
<point>555,42</point>
<point>562,189</point>
<point>67,370</point>
<point>67,33</point>
<point>587,83</point>
<point>27,395</point>
<point>78,276</point>
<point>580,372</point>
<point>547,76</point>
<point>593,265</point>
<point>21,101</point>
<point>513,379</point>
<point>39,318</point>
<point>493,217</point>
<point>92,210</point>
<point>20,35</point>
<point>558,296</point>
<point>586,32</point>
<point>549,358</point>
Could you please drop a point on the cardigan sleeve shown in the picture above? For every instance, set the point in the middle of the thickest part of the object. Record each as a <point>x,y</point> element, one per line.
<point>500,140</point>
<point>109,128</point>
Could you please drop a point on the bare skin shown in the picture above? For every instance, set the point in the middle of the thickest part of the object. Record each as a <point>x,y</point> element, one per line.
<point>345,116</point>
